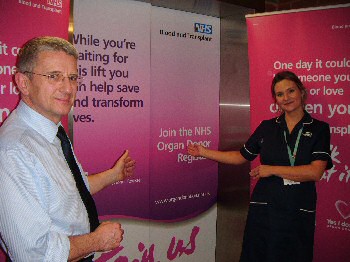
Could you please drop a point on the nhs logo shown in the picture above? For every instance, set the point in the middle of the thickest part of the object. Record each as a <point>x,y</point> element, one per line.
<point>57,3</point>
<point>203,28</point>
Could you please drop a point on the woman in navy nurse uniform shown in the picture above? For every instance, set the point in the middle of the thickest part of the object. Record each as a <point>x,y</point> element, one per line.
<point>294,151</point>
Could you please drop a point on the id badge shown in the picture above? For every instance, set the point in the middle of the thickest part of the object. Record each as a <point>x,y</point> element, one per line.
<point>288,182</point>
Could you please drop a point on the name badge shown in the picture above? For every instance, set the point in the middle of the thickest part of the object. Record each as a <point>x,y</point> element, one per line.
<point>288,182</point>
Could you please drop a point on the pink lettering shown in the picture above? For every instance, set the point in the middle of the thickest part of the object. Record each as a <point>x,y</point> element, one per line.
<point>111,254</point>
<point>180,248</point>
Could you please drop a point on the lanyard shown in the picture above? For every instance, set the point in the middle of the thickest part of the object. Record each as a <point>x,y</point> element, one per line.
<point>292,156</point>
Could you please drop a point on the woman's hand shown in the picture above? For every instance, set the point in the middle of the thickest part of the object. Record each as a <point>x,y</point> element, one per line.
<point>195,150</point>
<point>261,171</point>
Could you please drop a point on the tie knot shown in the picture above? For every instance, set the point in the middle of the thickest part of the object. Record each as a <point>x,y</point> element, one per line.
<point>61,134</point>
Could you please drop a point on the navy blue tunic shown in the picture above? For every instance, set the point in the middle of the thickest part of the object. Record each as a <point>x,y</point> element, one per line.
<point>281,218</point>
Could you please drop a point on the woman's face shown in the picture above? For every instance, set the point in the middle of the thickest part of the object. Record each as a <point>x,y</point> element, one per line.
<point>288,96</point>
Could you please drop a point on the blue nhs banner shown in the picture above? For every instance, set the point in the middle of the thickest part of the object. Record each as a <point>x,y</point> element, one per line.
<point>203,28</point>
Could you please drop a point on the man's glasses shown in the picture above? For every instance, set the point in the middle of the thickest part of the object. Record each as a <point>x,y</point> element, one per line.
<point>54,78</point>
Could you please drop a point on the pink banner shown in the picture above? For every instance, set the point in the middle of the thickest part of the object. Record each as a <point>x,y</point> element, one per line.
<point>315,45</point>
<point>118,108</point>
<point>19,22</point>
<point>112,110</point>
<point>151,86</point>
<point>184,109</point>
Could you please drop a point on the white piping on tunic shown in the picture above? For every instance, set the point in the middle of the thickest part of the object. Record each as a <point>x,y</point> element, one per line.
<point>304,123</point>
<point>309,211</point>
<point>320,152</point>
<point>249,151</point>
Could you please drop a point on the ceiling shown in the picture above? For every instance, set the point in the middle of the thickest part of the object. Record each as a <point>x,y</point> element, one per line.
<point>216,8</point>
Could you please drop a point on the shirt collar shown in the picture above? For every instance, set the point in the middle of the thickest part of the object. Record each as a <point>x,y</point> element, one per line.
<point>306,120</point>
<point>38,122</point>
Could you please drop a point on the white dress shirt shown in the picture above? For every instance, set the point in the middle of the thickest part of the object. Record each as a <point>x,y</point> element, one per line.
<point>40,205</point>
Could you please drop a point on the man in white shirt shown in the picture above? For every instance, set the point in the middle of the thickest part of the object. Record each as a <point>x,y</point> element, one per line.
<point>42,214</point>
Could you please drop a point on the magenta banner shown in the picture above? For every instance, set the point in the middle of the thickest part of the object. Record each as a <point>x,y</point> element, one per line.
<point>112,110</point>
<point>151,85</point>
<point>19,22</point>
<point>184,109</point>
<point>314,44</point>
<point>144,90</point>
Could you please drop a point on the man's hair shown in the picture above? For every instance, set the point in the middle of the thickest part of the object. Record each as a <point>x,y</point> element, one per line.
<point>28,54</point>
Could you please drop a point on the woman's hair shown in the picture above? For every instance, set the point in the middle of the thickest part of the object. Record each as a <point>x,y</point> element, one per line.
<point>288,75</point>
<point>28,54</point>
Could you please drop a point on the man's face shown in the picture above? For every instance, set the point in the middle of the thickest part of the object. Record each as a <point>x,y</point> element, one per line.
<point>52,99</point>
